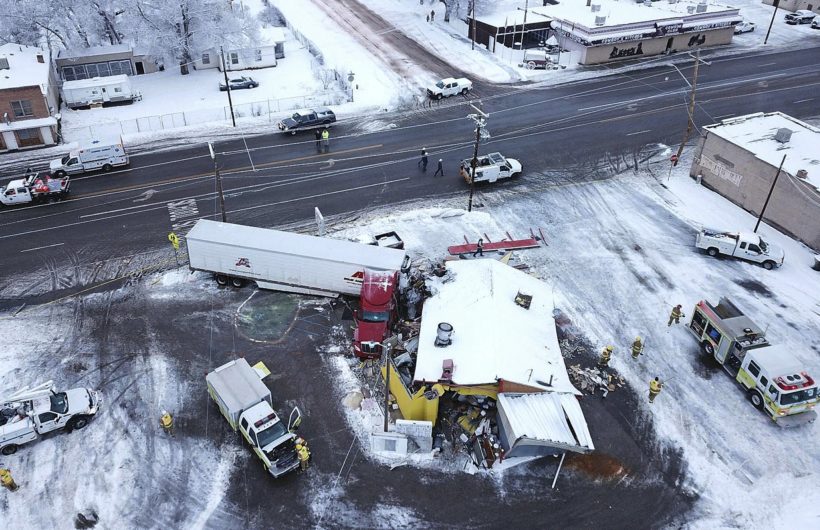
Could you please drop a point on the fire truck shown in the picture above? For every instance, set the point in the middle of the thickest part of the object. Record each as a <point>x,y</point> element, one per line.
<point>776,382</point>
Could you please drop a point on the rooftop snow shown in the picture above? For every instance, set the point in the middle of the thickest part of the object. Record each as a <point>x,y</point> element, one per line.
<point>511,18</point>
<point>494,338</point>
<point>625,12</point>
<point>755,133</point>
<point>95,82</point>
<point>78,53</point>
<point>24,70</point>
<point>28,124</point>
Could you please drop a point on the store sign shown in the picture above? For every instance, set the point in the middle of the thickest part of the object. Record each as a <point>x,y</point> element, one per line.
<point>715,25</point>
<point>720,171</point>
<point>620,38</point>
<point>617,53</point>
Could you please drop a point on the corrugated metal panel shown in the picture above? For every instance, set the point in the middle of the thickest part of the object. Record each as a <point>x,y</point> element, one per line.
<point>550,417</point>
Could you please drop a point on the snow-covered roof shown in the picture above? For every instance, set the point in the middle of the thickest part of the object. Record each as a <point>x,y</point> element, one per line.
<point>547,417</point>
<point>625,12</point>
<point>78,53</point>
<point>28,124</point>
<point>24,69</point>
<point>494,338</point>
<point>780,361</point>
<point>96,82</point>
<point>511,18</point>
<point>755,133</point>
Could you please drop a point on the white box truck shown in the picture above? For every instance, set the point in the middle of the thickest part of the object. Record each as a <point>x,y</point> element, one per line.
<point>246,403</point>
<point>96,155</point>
<point>98,90</point>
<point>284,261</point>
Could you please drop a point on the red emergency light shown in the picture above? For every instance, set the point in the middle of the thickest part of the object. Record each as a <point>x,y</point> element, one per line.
<point>804,380</point>
<point>269,417</point>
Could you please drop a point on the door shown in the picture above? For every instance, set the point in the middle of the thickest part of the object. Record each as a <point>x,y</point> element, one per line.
<point>15,196</point>
<point>140,67</point>
<point>73,165</point>
<point>105,95</point>
<point>295,419</point>
<point>722,349</point>
<point>669,44</point>
<point>48,421</point>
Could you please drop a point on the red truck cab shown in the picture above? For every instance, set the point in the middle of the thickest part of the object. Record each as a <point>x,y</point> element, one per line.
<point>376,314</point>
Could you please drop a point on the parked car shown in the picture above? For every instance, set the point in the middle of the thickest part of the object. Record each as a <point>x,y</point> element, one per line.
<point>321,117</point>
<point>815,24</point>
<point>239,82</point>
<point>744,27</point>
<point>801,16</point>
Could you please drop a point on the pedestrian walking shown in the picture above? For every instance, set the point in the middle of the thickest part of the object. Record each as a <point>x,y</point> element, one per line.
<point>303,453</point>
<point>637,347</point>
<point>440,168</point>
<point>326,139</point>
<point>675,315</point>
<point>479,248</point>
<point>318,135</point>
<point>606,355</point>
<point>432,15</point>
<point>166,421</point>
<point>427,18</point>
<point>7,480</point>
<point>655,387</point>
<point>423,161</point>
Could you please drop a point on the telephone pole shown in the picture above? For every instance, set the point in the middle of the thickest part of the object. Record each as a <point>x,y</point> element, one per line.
<point>227,86</point>
<point>218,183</point>
<point>480,119</point>
<point>769,196</point>
<point>691,110</point>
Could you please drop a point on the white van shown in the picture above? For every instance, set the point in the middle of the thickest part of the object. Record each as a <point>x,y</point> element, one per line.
<point>96,155</point>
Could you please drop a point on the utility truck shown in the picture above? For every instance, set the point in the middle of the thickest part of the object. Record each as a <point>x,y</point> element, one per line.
<point>489,168</point>
<point>32,412</point>
<point>376,313</point>
<point>246,403</point>
<point>96,155</point>
<point>743,245</point>
<point>34,188</point>
<point>774,379</point>
<point>285,261</point>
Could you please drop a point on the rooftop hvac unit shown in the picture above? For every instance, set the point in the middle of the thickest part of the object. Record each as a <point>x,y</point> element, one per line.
<point>701,8</point>
<point>596,8</point>
<point>444,334</point>
<point>4,63</point>
<point>600,20</point>
<point>802,173</point>
<point>783,135</point>
<point>690,9</point>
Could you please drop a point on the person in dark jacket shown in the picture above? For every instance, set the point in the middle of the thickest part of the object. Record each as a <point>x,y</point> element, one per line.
<point>318,135</point>
<point>479,248</point>
<point>423,160</point>
<point>440,168</point>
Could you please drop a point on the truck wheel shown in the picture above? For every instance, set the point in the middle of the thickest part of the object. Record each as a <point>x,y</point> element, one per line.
<point>439,96</point>
<point>78,423</point>
<point>464,92</point>
<point>221,279</point>
<point>293,132</point>
<point>707,348</point>
<point>756,399</point>
<point>238,282</point>
<point>768,265</point>
<point>9,450</point>
<point>712,251</point>
<point>59,173</point>
<point>107,168</point>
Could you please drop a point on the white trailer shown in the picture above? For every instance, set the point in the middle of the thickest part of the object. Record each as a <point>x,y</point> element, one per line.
<point>95,155</point>
<point>98,91</point>
<point>284,261</point>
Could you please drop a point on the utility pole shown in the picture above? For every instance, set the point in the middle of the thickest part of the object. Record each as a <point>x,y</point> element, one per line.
<point>769,196</point>
<point>218,183</point>
<point>227,86</point>
<point>774,14</point>
<point>691,110</point>
<point>480,120</point>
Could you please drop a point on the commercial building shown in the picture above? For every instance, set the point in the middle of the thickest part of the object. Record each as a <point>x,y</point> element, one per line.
<point>739,158</point>
<point>789,6</point>
<point>29,98</point>
<point>512,29</point>
<point>103,61</point>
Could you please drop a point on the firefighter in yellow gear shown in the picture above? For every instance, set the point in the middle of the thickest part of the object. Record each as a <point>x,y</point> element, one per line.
<point>303,453</point>
<point>166,421</point>
<point>675,315</point>
<point>606,354</point>
<point>637,347</point>
<point>655,387</point>
<point>7,480</point>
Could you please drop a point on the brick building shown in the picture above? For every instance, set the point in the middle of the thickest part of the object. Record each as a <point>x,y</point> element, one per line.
<point>29,98</point>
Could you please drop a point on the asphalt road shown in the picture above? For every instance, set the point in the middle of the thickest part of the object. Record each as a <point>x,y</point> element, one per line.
<point>273,179</point>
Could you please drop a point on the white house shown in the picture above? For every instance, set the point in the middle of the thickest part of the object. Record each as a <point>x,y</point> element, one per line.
<point>263,55</point>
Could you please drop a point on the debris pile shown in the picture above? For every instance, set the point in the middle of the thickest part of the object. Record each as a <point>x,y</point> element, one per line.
<point>592,379</point>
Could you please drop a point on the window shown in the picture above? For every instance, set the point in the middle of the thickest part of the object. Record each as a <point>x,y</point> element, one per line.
<point>117,89</point>
<point>47,416</point>
<point>234,58</point>
<point>754,248</point>
<point>764,381</point>
<point>258,55</point>
<point>743,245</point>
<point>754,369</point>
<point>713,333</point>
<point>120,67</point>
<point>22,108</point>
<point>206,58</point>
<point>244,424</point>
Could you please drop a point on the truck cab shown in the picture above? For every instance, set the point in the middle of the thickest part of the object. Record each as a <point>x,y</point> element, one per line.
<point>271,440</point>
<point>376,314</point>
<point>15,192</point>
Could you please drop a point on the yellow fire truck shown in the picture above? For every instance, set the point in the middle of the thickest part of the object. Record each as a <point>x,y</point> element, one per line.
<point>775,380</point>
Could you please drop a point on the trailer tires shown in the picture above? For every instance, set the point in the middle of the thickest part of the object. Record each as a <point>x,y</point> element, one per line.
<point>107,168</point>
<point>707,348</point>
<point>768,265</point>
<point>756,399</point>
<point>221,279</point>
<point>712,251</point>
<point>9,450</point>
<point>238,282</point>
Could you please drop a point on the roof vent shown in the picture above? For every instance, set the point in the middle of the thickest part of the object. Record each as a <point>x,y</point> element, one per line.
<point>690,9</point>
<point>444,334</point>
<point>4,63</point>
<point>596,8</point>
<point>701,8</point>
<point>446,370</point>
<point>802,173</point>
<point>783,135</point>
<point>523,299</point>
<point>600,20</point>
<point>40,58</point>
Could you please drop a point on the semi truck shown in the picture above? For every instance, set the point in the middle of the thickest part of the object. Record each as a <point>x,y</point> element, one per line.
<point>742,245</point>
<point>96,155</point>
<point>376,313</point>
<point>773,378</point>
<point>285,261</point>
<point>32,412</point>
<point>245,401</point>
<point>33,189</point>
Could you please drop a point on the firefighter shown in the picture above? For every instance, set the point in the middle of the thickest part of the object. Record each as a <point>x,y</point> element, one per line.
<point>606,354</point>
<point>167,422</point>
<point>655,387</point>
<point>7,480</point>
<point>675,315</point>
<point>303,453</point>
<point>637,347</point>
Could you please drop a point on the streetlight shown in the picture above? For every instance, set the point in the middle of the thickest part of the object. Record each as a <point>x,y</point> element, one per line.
<point>218,182</point>
<point>480,119</point>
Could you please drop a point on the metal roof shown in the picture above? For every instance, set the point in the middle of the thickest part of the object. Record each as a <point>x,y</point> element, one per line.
<point>238,385</point>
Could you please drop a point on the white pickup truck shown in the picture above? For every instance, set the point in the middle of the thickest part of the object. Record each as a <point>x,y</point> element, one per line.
<point>34,188</point>
<point>743,245</point>
<point>449,87</point>
<point>490,168</point>
<point>31,412</point>
<point>245,401</point>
